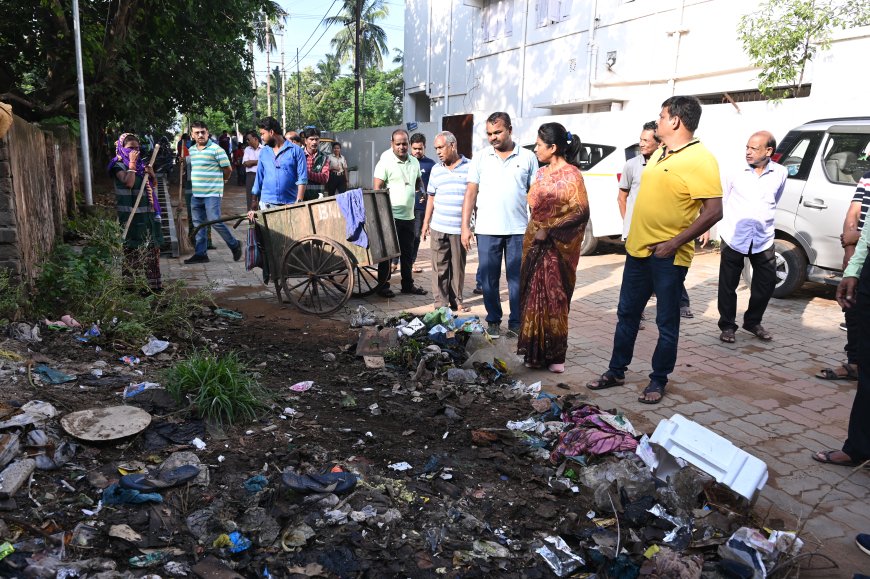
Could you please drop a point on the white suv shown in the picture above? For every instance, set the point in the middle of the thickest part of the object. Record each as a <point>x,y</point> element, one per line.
<point>825,160</point>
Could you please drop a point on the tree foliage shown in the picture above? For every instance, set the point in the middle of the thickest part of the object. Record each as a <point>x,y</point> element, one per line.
<point>144,62</point>
<point>374,39</point>
<point>784,35</point>
<point>327,99</point>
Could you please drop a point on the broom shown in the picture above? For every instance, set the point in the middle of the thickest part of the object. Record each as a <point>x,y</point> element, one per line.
<point>184,245</point>
<point>139,197</point>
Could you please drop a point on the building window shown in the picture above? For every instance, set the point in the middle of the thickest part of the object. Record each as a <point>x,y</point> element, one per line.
<point>551,11</point>
<point>497,19</point>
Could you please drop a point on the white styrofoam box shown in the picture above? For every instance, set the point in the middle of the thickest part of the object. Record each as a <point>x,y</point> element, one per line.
<point>729,465</point>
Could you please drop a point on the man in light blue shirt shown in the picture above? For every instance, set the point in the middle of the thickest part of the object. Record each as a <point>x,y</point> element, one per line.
<point>282,172</point>
<point>498,183</point>
<point>747,228</point>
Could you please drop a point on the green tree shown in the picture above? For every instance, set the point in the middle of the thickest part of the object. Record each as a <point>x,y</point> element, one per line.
<point>373,39</point>
<point>143,62</point>
<point>782,36</point>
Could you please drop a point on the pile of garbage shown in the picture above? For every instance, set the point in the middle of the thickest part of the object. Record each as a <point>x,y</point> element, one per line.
<point>428,457</point>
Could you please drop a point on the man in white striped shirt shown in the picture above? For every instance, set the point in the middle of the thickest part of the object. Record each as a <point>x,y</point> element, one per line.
<point>447,184</point>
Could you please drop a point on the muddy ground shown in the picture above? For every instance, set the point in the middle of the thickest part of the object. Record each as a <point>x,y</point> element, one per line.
<point>477,501</point>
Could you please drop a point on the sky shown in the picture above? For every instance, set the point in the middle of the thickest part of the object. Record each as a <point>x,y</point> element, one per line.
<point>305,32</point>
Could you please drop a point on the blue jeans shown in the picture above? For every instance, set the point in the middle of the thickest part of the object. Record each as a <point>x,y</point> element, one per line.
<point>640,279</point>
<point>209,209</point>
<point>490,249</point>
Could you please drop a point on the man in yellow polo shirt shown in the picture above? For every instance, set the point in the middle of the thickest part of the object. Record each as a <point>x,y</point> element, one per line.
<point>680,179</point>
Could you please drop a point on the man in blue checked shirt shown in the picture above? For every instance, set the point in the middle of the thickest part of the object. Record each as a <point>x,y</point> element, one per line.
<point>282,172</point>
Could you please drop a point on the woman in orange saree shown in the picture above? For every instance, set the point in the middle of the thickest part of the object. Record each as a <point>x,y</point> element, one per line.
<point>551,249</point>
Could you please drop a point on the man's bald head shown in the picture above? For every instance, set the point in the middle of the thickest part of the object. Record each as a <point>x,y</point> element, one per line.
<point>768,137</point>
<point>760,148</point>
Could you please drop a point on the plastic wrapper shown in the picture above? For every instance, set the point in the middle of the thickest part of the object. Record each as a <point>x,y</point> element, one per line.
<point>559,557</point>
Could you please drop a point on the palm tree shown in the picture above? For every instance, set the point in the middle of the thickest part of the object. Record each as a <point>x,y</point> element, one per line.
<point>328,70</point>
<point>271,18</point>
<point>373,39</point>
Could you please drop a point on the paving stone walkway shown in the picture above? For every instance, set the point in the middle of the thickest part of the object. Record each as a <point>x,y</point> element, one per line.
<point>762,396</point>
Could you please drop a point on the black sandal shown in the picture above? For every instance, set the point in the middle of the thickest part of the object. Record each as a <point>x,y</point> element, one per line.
<point>606,380</point>
<point>652,388</point>
<point>759,332</point>
<point>831,373</point>
<point>417,291</point>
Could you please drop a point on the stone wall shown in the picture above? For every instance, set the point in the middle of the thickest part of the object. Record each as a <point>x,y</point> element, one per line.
<point>39,175</point>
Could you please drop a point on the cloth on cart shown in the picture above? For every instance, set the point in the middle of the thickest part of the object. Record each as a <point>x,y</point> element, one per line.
<point>354,211</point>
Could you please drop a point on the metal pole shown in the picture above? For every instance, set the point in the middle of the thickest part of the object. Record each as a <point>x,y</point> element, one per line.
<point>298,93</point>
<point>254,77</point>
<point>356,71</point>
<point>268,73</point>
<point>83,114</point>
<point>283,87</point>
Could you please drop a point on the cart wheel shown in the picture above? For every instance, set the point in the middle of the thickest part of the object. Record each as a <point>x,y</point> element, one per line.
<point>317,275</point>
<point>366,282</point>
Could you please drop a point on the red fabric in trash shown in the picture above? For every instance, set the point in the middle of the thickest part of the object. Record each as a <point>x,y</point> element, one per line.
<point>590,435</point>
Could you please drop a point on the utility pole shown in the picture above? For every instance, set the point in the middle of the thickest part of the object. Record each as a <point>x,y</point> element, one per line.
<point>283,87</point>
<point>298,93</point>
<point>254,77</point>
<point>83,114</point>
<point>356,67</point>
<point>268,72</point>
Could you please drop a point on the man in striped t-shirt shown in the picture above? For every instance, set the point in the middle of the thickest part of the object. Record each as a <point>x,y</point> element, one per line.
<point>210,169</point>
<point>446,190</point>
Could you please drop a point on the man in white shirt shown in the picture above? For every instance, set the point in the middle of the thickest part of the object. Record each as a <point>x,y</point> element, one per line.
<point>498,184</point>
<point>749,206</point>
<point>249,161</point>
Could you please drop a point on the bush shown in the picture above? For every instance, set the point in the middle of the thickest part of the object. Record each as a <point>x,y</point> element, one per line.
<point>11,295</point>
<point>86,281</point>
<point>219,388</point>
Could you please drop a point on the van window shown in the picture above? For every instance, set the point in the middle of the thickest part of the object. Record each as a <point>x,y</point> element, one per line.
<point>589,155</point>
<point>845,157</point>
<point>796,153</point>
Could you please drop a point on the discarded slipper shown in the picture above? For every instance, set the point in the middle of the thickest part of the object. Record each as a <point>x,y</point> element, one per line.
<point>333,482</point>
<point>824,456</point>
<point>115,495</point>
<point>164,480</point>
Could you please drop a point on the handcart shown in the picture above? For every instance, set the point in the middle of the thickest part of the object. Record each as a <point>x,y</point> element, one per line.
<point>312,264</point>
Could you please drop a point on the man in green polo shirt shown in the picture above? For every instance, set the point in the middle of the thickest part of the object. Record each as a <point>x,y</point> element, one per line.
<point>400,173</point>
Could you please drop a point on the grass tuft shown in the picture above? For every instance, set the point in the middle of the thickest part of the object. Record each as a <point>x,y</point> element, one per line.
<point>219,388</point>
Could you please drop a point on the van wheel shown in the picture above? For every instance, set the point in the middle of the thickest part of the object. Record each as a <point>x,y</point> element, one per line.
<point>791,268</point>
<point>590,242</point>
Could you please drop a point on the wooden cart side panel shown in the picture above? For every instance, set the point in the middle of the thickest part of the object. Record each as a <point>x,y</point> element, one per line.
<point>379,213</point>
<point>285,225</point>
<point>329,222</point>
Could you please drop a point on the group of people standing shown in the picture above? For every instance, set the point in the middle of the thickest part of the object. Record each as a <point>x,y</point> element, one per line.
<point>531,211</point>
<point>495,190</point>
